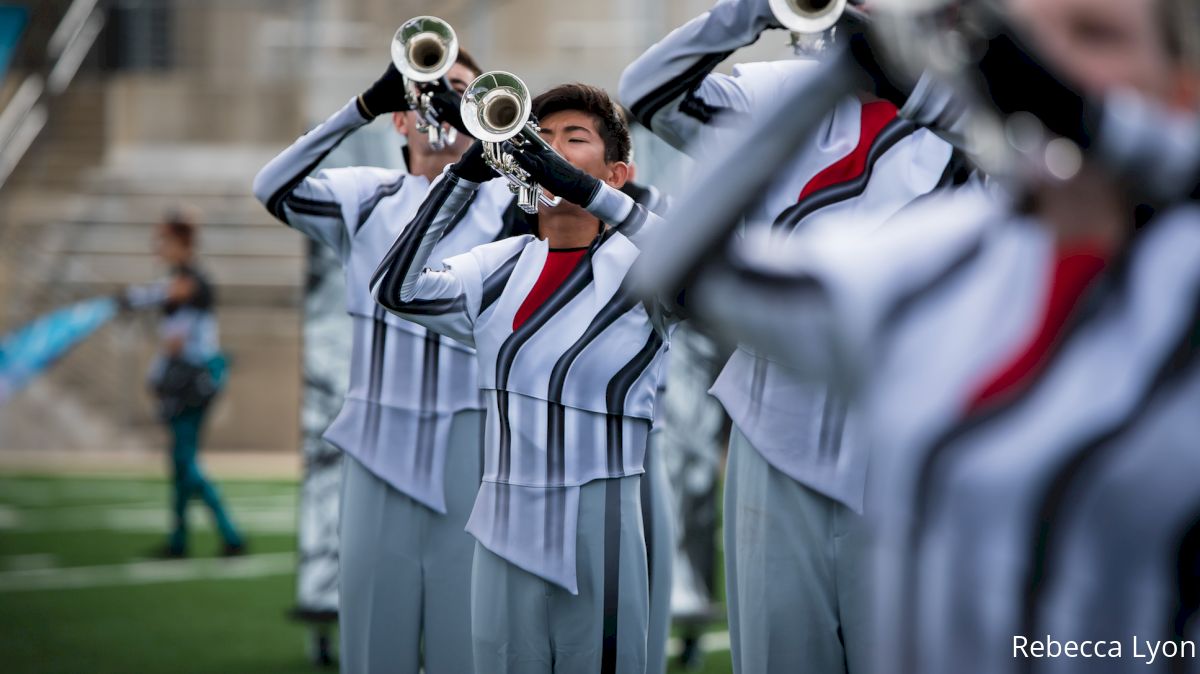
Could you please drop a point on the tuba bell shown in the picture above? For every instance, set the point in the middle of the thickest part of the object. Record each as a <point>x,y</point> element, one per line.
<point>424,49</point>
<point>496,108</point>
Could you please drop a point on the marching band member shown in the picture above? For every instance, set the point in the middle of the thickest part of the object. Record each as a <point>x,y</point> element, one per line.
<point>1024,371</point>
<point>412,419</point>
<point>186,375</point>
<point>570,362</point>
<point>794,541</point>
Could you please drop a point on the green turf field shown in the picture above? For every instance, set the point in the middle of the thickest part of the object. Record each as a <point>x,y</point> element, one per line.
<point>78,592</point>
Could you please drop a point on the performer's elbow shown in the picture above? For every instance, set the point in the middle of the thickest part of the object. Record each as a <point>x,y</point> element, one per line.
<point>263,188</point>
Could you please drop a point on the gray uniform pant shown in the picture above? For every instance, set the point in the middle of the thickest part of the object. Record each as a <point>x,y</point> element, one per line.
<point>796,573</point>
<point>523,624</point>
<point>406,570</point>
<point>660,553</point>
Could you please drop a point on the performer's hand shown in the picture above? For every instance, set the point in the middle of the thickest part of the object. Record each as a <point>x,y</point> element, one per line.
<point>385,95</point>
<point>446,105</point>
<point>550,170</point>
<point>472,166</point>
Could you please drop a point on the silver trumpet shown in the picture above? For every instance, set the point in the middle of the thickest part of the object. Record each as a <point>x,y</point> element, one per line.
<point>424,50</point>
<point>496,108</point>
<point>809,21</point>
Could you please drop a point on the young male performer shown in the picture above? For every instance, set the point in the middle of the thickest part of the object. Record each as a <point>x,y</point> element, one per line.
<point>411,422</point>
<point>794,543</point>
<point>1028,375</point>
<point>569,366</point>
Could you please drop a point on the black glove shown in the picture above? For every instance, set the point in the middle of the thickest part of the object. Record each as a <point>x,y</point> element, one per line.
<point>550,170</point>
<point>471,166</point>
<point>386,95</point>
<point>446,105</point>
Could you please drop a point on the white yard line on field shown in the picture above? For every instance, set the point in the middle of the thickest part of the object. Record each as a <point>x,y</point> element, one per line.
<point>148,572</point>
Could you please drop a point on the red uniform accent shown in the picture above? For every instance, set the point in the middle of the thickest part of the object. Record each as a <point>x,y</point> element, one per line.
<point>559,265</point>
<point>1075,268</point>
<point>875,118</point>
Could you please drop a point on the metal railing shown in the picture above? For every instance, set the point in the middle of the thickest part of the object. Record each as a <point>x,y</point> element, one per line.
<point>25,114</point>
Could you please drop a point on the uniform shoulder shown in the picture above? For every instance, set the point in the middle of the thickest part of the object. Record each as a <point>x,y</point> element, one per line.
<point>366,179</point>
<point>769,77</point>
<point>496,252</point>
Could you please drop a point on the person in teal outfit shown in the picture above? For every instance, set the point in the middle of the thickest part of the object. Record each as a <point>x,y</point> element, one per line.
<point>186,375</point>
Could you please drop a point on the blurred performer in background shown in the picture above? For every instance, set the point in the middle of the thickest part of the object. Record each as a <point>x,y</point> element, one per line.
<point>691,439</point>
<point>795,546</point>
<point>187,373</point>
<point>1027,371</point>
<point>683,462</point>
<point>411,422</point>
<point>570,364</point>
<point>658,519</point>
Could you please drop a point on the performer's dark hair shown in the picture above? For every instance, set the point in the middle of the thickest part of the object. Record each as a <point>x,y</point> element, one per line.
<point>466,60</point>
<point>181,226</point>
<point>596,102</point>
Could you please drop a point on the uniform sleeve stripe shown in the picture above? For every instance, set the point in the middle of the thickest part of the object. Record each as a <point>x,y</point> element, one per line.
<point>634,221</point>
<point>275,203</point>
<point>645,109</point>
<point>316,207</point>
<point>395,265</point>
<point>382,191</point>
<point>462,213</point>
<point>435,307</point>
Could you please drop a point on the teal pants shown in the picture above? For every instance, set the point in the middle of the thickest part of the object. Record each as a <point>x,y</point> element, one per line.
<point>190,481</point>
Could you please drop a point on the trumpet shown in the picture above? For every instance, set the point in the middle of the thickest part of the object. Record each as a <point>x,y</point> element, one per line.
<point>808,20</point>
<point>496,108</point>
<point>423,50</point>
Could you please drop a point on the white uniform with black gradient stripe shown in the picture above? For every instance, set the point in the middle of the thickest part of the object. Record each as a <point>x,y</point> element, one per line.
<point>580,374</point>
<point>406,382</point>
<point>797,427</point>
<point>1067,509</point>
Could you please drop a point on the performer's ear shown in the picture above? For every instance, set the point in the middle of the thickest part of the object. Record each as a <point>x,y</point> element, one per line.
<point>400,122</point>
<point>618,174</point>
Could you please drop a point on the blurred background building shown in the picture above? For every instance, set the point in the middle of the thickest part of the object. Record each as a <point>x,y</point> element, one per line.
<point>113,111</point>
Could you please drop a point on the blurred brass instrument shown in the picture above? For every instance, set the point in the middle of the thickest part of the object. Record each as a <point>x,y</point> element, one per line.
<point>810,22</point>
<point>496,108</point>
<point>423,50</point>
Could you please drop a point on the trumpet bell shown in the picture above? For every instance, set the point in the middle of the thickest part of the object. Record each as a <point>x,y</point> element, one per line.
<point>424,48</point>
<point>807,16</point>
<point>496,106</point>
